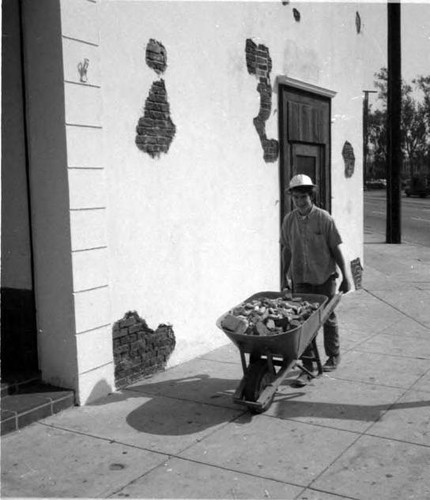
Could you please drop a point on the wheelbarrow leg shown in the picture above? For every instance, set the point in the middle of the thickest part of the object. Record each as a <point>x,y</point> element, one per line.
<point>312,355</point>
<point>243,361</point>
<point>316,353</point>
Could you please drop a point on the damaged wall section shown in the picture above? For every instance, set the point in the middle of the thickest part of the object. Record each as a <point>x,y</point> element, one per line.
<point>348,158</point>
<point>155,129</point>
<point>259,63</point>
<point>138,350</point>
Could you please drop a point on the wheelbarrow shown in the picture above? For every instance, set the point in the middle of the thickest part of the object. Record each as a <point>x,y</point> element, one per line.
<point>272,358</point>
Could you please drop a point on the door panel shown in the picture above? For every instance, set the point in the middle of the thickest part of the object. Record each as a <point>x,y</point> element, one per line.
<point>306,123</point>
<point>307,159</point>
<point>304,142</point>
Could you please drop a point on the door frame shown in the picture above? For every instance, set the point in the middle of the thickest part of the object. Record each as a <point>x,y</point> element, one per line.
<point>310,91</point>
<point>307,90</point>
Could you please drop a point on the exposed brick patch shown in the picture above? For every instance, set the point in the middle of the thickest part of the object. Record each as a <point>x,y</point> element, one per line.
<point>357,273</point>
<point>251,56</point>
<point>156,56</point>
<point>138,350</point>
<point>348,159</point>
<point>259,63</point>
<point>155,129</point>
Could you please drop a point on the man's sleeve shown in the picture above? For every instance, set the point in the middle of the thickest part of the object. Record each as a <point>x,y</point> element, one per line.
<point>334,238</point>
<point>284,234</point>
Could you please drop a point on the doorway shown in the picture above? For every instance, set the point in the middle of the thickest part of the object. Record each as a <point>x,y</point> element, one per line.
<point>304,125</point>
<point>18,322</point>
<point>305,140</point>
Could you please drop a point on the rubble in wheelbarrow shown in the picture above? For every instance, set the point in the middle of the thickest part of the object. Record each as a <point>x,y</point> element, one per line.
<point>266,317</point>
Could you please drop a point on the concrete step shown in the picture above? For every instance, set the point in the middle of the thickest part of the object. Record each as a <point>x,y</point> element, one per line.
<point>29,401</point>
<point>14,382</point>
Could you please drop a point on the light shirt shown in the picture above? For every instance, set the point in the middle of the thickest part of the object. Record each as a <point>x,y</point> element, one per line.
<point>310,239</point>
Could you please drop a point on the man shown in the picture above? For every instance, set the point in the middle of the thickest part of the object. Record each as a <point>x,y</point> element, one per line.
<point>310,252</point>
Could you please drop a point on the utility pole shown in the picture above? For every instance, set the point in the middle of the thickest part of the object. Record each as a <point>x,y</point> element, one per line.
<point>365,130</point>
<point>394,108</point>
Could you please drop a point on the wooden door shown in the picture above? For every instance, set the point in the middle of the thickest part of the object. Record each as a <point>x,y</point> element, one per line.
<point>304,132</point>
<point>304,142</point>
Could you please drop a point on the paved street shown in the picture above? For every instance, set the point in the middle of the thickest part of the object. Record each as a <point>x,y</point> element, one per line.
<point>415,217</point>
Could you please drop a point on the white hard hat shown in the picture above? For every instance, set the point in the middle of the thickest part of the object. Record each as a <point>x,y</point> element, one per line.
<point>300,180</point>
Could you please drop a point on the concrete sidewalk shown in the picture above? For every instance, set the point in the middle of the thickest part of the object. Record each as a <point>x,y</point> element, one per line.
<point>361,432</point>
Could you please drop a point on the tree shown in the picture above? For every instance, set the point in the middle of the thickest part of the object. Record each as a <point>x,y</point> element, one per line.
<point>423,84</point>
<point>415,125</point>
<point>377,137</point>
<point>414,134</point>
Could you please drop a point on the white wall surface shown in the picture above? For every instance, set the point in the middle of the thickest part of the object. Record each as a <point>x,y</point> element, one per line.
<point>196,231</point>
<point>181,238</point>
<point>80,21</point>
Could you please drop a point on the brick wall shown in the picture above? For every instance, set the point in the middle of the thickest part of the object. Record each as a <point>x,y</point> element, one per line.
<point>259,63</point>
<point>155,129</point>
<point>138,350</point>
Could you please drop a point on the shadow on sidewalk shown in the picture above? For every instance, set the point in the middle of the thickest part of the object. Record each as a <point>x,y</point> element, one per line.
<point>192,404</point>
<point>366,413</point>
<point>181,406</point>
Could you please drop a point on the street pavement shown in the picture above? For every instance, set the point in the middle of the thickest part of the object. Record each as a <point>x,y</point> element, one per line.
<point>361,432</point>
<point>415,216</point>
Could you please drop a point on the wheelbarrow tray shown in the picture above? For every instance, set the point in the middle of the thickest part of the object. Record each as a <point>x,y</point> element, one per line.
<point>289,345</point>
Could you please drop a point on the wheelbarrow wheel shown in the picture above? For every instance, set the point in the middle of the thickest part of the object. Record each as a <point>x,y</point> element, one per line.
<point>259,377</point>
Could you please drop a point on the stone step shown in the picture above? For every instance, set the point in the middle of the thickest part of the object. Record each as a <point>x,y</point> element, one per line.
<point>12,383</point>
<point>26,403</point>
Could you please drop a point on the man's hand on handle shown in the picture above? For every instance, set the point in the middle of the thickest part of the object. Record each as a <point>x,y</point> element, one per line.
<point>345,285</point>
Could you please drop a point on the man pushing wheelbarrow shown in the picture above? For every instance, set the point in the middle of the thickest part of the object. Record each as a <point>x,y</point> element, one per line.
<point>311,250</point>
<point>274,330</point>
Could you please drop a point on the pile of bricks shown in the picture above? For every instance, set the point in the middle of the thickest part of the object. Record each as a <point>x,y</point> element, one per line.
<point>138,350</point>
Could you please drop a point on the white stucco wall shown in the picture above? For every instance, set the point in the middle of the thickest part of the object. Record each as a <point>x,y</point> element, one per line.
<point>196,231</point>
<point>181,238</point>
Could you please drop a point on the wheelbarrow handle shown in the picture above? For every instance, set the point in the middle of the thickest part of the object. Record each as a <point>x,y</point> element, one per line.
<point>330,307</point>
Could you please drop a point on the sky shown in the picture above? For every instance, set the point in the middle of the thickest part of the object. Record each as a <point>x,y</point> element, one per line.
<point>415,39</point>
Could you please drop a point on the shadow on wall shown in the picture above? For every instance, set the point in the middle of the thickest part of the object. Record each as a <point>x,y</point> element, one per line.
<point>99,391</point>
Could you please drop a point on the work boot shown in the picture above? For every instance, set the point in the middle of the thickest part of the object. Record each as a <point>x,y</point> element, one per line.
<point>331,364</point>
<point>304,377</point>
<point>302,380</point>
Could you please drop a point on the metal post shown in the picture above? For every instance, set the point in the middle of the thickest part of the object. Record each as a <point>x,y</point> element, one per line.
<point>366,131</point>
<point>394,108</point>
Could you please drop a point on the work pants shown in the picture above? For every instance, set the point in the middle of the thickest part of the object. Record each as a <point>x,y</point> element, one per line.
<point>330,327</point>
